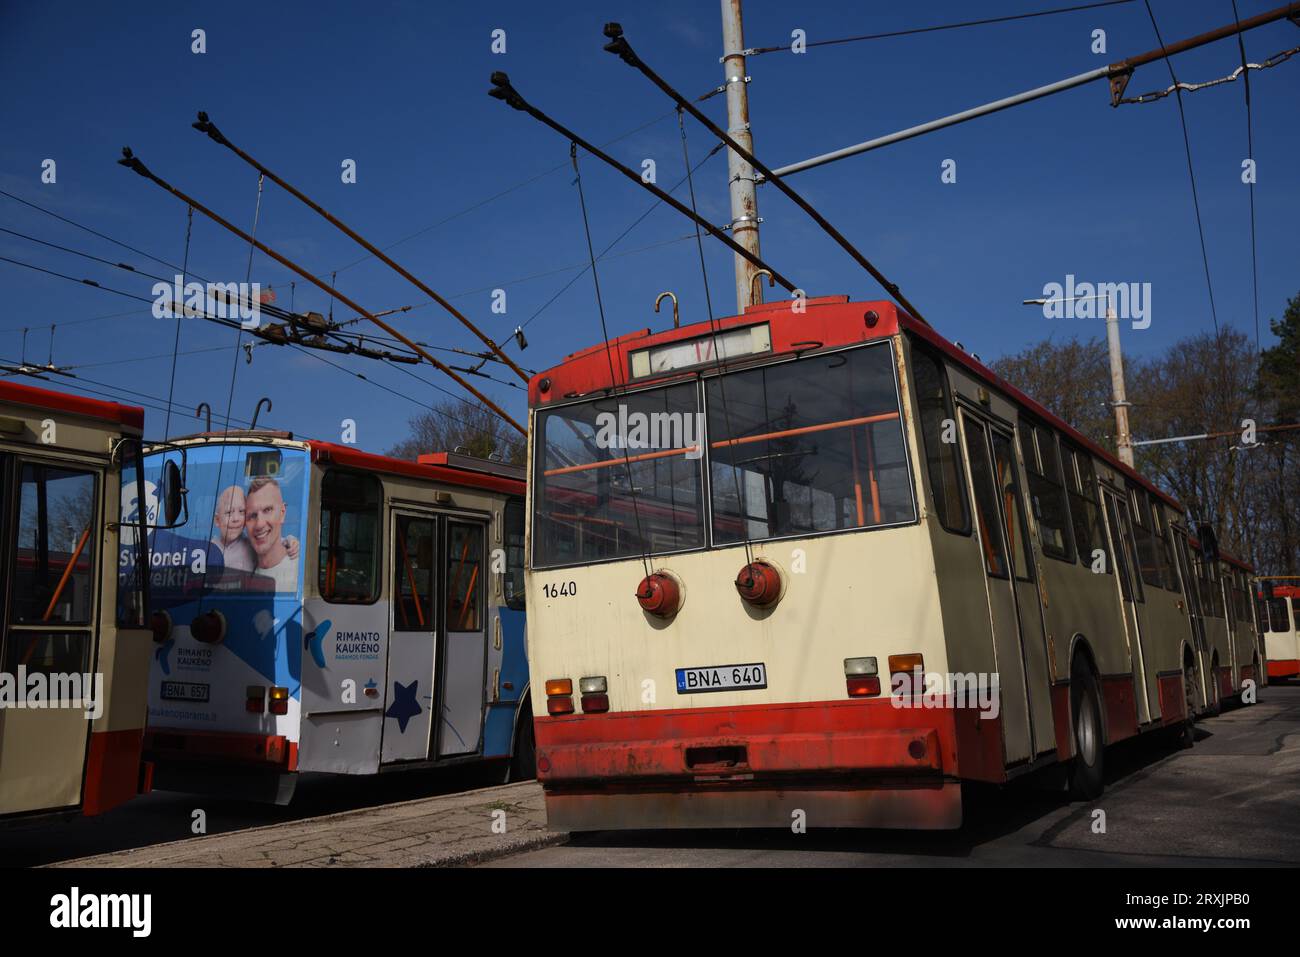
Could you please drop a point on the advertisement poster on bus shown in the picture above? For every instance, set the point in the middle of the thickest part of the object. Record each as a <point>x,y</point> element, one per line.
<point>238,552</point>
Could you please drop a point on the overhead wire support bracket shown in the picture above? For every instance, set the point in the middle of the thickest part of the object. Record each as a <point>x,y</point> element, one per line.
<point>133,162</point>
<point>504,91</point>
<point>619,46</point>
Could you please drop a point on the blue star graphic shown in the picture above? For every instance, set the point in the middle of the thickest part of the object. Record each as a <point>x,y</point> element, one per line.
<point>404,706</point>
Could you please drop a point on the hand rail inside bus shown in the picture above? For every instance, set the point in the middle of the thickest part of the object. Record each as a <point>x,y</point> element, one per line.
<point>721,443</point>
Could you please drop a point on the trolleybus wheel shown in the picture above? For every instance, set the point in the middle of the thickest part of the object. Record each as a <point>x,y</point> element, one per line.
<point>523,763</point>
<point>1085,775</point>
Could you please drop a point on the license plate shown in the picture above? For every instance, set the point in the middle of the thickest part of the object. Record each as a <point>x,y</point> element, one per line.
<point>721,678</point>
<point>184,691</point>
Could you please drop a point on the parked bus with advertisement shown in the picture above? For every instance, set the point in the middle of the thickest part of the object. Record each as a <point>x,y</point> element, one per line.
<point>816,559</point>
<point>336,611</point>
<point>1278,607</point>
<point>74,647</point>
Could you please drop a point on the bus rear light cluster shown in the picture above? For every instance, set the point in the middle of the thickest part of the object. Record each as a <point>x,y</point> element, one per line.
<point>209,627</point>
<point>279,701</point>
<point>160,623</point>
<point>659,594</point>
<point>913,666</point>
<point>861,678</point>
<point>255,700</point>
<point>595,699</point>
<point>559,696</point>
<point>759,583</point>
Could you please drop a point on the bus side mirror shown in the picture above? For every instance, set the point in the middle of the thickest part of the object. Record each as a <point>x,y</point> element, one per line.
<point>173,492</point>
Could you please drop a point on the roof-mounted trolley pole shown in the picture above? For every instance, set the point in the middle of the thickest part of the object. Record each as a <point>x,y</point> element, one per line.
<point>506,93</point>
<point>205,125</point>
<point>132,162</point>
<point>1118,74</point>
<point>619,45</point>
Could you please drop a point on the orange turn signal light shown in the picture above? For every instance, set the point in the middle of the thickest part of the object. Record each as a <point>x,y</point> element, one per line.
<point>559,686</point>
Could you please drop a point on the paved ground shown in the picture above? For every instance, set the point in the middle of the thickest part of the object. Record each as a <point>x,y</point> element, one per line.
<point>1233,799</point>
<point>165,816</point>
<point>449,829</point>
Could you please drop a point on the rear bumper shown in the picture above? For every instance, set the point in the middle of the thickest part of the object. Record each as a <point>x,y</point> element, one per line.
<point>1283,669</point>
<point>842,763</point>
<point>252,767</point>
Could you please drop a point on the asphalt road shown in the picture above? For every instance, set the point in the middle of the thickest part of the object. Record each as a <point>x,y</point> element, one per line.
<point>1233,799</point>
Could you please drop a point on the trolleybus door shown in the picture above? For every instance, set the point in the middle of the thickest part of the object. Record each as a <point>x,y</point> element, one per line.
<point>412,645</point>
<point>1123,553</point>
<point>463,668</point>
<point>1013,603</point>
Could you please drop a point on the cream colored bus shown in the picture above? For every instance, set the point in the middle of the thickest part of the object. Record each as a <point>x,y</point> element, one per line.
<point>816,562</point>
<point>74,649</point>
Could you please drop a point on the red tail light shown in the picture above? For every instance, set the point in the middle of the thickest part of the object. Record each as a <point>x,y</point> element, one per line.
<point>595,703</point>
<point>559,704</point>
<point>255,702</point>
<point>279,703</point>
<point>864,687</point>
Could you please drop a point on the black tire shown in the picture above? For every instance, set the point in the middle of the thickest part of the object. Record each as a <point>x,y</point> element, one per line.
<point>1086,773</point>
<point>523,763</point>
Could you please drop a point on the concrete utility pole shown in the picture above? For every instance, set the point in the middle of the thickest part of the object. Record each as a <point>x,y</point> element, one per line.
<point>744,200</point>
<point>1123,437</point>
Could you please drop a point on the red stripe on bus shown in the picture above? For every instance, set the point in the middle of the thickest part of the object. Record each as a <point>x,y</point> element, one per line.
<point>45,399</point>
<point>831,736</point>
<point>112,770</point>
<point>222,746</point>
<point>1286,668</point>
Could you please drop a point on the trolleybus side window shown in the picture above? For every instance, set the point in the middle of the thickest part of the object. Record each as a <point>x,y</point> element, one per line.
<point>514,533</point>
<point>942,458</point>
<point>810,446</point>
<point>1165,537</point>
<point>1047,490</point>
<point>1081,479</point>
<point>986,500</point>
<point>464,576</point>
<point>413,576</point>
<point>53,564</point>
<point>1277,615</point>
<point>1150,555</point>
<point>348,571</point>
<point>1017,530</point>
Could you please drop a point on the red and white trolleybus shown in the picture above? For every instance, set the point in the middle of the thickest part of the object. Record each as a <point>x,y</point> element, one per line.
<point>817,560</point>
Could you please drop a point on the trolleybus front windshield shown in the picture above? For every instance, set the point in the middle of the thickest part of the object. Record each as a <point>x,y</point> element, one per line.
<point>797,448</point>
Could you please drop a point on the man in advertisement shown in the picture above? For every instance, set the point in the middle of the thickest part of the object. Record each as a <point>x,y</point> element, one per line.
<point>264,522</point>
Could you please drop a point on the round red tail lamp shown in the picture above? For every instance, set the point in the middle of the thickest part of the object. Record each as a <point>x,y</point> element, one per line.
<point>659,594</point>
<point>209,627</point>
<point>759,583</point>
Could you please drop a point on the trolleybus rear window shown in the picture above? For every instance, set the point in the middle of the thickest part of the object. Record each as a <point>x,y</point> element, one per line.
<point>618,477</point>
<point>806,447</point>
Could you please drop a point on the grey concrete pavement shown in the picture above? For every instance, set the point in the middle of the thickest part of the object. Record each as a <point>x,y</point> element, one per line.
<point>442,830</point>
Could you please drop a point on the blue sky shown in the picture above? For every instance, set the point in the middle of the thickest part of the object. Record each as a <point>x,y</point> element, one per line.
<point>1063,185</point>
